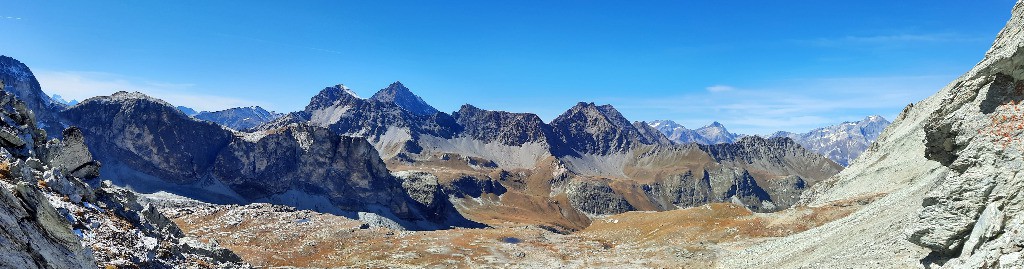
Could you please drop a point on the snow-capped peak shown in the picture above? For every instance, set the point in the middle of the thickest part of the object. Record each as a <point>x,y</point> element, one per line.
<point>348,91</point>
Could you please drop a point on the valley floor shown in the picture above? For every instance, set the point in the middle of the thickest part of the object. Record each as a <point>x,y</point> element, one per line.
<point>270,235</point>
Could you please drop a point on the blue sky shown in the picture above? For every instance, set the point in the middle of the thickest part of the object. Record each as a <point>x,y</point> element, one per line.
<point>755,66</point>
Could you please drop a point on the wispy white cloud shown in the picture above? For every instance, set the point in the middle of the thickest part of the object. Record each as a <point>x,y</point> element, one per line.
<point>893,39</point>
<point>720,88</point>
<point>81,85</point>
<point>789,105</point>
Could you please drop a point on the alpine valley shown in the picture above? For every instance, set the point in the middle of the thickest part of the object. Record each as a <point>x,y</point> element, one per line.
<point>131,181</point>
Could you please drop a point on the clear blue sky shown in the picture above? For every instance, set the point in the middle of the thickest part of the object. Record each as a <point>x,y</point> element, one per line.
<point>755,66</point>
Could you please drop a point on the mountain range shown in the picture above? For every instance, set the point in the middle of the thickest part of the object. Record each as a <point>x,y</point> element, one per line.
<point>589,161</point>
<point>841,143</point>
<point>239,118</point>
<point>939,187</point>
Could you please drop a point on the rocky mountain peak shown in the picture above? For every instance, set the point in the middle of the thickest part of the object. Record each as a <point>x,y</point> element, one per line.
<point>20,81</point>
<point>588,128</point>
<point>716,133</point>
<point>403,97</point>
<point>665,125</point>
<point>875,118</point>
<point>331,96</point>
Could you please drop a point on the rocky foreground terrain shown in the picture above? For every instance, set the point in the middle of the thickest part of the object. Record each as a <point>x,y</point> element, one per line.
<point>50,218</point>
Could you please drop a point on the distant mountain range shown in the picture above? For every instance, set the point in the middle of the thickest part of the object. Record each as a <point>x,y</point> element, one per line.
<point>708,135</point>
<point>57,98</point>
<point>238,118</point>
<point>842,142</point>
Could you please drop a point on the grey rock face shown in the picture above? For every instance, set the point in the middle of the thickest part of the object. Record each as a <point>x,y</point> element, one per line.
<point>648,133</point>
<point>973,216</point>
<point>149,135</point>
<point>421,187</point>
<point>138,133</point>
<point>44,240</point>
<point>468,186</point>
<point>312,160</point>
<point>841,143</point>
<point>776,156</point>
<point>425,190</point>
<point>715,186</point>
<point>72,155</point>
<point>596,197</point>
<point>513,129</point>
<point>400,95</point>
<point>22,83</point>
<point>51,219</point>
<point>239,118</point>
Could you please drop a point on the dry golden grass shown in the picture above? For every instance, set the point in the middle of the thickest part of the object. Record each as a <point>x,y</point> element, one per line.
<point>677,238</point>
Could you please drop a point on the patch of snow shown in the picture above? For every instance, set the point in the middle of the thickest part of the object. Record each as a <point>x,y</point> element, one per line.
<point>329,115</point>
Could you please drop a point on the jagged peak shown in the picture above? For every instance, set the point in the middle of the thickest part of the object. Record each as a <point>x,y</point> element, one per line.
<point>330,96</point>
<point>400,95</point>
<point>468,107</point>
<point>659,124</point>
<point>715,124</point>
<point>875,118</point>
<point>398,86</point>
<point>347,90</point>
<point>607,112</point>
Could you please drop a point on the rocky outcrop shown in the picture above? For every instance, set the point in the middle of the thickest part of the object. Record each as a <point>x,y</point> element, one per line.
<point>843,142</point>
<point>973,214</point>
<point>713,186</point>
<point>155,147</point>
<point>313,161</point>
<point>239,118</point>
<point>777,156</point>
<point>425,189</point>
<point>398,94</point>
<point>506,128</point>
<point>52,219</point>
<point>596,197</point>
<point>148,135</point>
